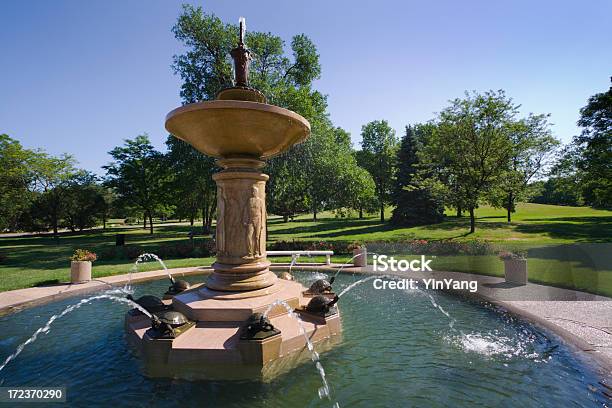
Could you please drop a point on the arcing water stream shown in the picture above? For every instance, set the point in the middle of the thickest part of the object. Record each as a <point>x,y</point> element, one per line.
<point>111,294</point>
<point>143,258</point>
<point>324,391</point>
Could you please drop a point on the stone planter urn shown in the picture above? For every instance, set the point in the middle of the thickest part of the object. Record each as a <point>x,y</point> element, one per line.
<point>515,271</point>
<point>360,257</point>
<point>80,271</point>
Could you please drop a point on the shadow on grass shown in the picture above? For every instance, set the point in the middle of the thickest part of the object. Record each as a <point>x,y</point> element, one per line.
<point>51,257</point>
<point>579,229</point>
<point>324,225</point>
<point>49,282</point>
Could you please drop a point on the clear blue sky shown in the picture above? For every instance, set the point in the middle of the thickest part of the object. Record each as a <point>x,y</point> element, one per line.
<point>81,76</point>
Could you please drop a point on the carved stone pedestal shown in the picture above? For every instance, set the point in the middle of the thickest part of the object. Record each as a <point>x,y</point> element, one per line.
<point>241,228</point>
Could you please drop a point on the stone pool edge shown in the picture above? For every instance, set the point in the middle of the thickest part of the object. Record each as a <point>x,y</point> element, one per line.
<point>15,300</point>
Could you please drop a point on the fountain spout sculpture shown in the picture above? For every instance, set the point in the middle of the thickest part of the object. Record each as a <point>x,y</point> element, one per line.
<point>241,131</point>
<point>242,58</point>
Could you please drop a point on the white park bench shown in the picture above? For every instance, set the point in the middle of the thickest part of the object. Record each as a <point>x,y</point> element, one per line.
<point>295,254</point>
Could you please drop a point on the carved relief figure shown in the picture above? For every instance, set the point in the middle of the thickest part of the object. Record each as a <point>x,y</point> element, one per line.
<point>221,214</point>
<point>234,235</point>
<point>254,219</point>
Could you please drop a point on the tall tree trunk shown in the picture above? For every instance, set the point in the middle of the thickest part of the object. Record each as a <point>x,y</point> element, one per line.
<point>459,211</point>
<point>314,213</point>
<point>150,223</point>
<point>144,215</point>
<point>472,221</point>
<point>204,217</point>
<point>212,210</point>
<point>382,212</point>
<point>54,222</point>
<point>104,221</point>
<point>509,208</point>
<point>191,219</point>
<point>360,212</point>
<point>285,218</point>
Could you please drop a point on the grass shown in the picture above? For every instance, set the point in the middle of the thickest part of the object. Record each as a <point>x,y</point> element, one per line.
<point>531,224</point>
<point>32,261</point>
<point>584,267</point>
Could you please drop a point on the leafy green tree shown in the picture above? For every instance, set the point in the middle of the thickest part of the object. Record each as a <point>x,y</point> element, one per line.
<point>533,150</point>
<point>192,182</point>
<point>84,203</point>
<point>359,190</point>
<point>51,176</point>
<point>287,188</point>
<point>594,150</point>
<point>469,149</point>
<point>379,147</point>
<point>108,203</point>
<point>557,190</point>
<point>414,204</point>
<point>139,174</point>
<point>356,188</point>
<point>15,181</point>
<point>299,179</point>
<point>205,69</point>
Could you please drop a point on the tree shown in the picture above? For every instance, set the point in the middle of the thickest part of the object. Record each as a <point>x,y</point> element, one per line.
<point>15,180</point>
<point>469,148</point>
<point>287,188</point>
<point>533,148</point>
<point>359,192</point>
<point>51,176</point>
<point>594,150</point>
<point>84,203</point>
<point>192,181</point>
<point>414,204</point>
<point>557,190</point>
<point>139,175</point>
<point>286,81</point>
<point>108,203</point>
<point>379,146</point>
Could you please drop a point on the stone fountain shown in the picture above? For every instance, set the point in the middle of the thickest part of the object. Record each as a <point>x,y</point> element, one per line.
<point>218,329</point>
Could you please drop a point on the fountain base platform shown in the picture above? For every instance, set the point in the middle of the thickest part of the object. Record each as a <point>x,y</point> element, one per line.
<point>213,349</point>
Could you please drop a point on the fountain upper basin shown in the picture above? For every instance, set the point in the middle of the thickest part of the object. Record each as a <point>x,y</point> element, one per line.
<point>233,128</point>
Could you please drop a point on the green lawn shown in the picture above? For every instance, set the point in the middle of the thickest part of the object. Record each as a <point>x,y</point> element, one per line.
<point>531,224</point>
<point>587,267</point>
<point>543,228</point>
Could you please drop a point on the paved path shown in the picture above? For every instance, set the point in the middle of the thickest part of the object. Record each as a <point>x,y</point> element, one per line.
<point>17,299</point>
<point>582,319</point>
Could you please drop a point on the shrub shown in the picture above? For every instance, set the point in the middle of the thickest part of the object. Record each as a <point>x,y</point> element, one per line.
<point>339,247</point>
<point>507,255</point>
<point>207,248</point>
<point>110,253</point>
<point>354,245</point>
<point>83,255</point>
<point>133,252</point>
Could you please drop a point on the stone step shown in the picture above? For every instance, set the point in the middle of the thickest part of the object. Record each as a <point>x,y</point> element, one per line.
<point>199,306</point>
